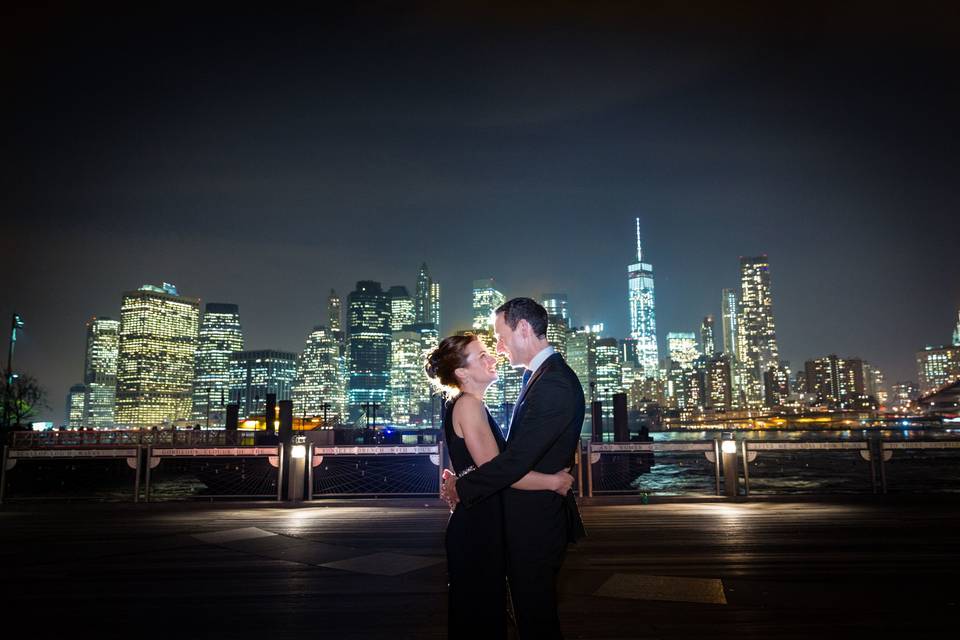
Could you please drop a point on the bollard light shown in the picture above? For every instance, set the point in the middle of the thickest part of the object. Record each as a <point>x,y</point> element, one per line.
<point>729,446</point>
<point>299,449</point>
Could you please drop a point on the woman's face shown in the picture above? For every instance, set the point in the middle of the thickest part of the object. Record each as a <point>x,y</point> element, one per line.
<point>481,367</point>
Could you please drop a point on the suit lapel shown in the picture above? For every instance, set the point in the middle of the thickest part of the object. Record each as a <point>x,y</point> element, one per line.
<point>523,396</point>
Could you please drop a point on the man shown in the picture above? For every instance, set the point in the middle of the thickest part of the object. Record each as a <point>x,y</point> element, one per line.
<point>543,436</point>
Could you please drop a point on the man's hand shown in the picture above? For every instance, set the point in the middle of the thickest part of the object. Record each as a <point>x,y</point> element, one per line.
<point>448,489</point>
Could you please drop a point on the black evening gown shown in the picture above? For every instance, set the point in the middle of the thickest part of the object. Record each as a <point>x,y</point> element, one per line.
<point>476,562</point>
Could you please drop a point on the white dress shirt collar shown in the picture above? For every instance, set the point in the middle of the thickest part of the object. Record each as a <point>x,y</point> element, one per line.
<point>540,358</point>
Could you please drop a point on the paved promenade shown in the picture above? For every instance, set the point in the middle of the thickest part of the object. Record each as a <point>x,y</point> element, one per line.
<point>375,569</point>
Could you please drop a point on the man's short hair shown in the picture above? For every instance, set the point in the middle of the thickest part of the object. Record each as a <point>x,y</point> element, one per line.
<point>517,309</point>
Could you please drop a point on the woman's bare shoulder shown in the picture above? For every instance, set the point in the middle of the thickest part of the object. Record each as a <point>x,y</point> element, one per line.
<point>467,407</point>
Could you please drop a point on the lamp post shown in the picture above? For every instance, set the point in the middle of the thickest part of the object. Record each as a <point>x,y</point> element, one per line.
<point>16,324</point>
<point>325,406</point>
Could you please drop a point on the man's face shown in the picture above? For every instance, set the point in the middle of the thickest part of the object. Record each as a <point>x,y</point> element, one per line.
<point>508,341</point>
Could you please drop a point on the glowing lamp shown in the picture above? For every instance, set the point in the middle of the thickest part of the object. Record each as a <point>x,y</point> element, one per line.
<point>728,446</point>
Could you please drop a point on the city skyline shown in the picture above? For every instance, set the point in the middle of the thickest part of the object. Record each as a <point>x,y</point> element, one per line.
<point>238,174</point>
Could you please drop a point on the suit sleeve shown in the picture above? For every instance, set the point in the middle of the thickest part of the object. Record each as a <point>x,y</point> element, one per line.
<point>545,417</point>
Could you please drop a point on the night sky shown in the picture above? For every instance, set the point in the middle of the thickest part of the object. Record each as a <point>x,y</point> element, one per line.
<point>263,160</point>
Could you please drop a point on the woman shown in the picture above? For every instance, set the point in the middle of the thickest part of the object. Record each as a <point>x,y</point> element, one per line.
<point>474,540</point>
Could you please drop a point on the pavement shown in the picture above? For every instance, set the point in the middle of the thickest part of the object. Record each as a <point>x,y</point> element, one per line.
<point>810,568</point>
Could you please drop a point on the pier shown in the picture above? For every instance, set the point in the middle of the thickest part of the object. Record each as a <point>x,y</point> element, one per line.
<point>787,568</point>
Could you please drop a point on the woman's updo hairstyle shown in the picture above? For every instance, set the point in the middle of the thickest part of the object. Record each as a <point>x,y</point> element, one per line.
<point>442,363</point>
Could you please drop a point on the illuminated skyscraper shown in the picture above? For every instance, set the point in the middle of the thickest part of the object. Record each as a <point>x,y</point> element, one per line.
<point>76,406</point>
<point>558,320</point>
<point>719,382</point>
<point>368,348</point>
<point>426,299</point>
<point>956,332</point>
<point>728,308</point>
<point>401,308</point>
<point>408,384</point>
<point>682,347</point>
<point>643,325</point>
<point>903,395</point>
<point>757,339</point>
<point>830,380</point>
<point>486,299</point>
<point>100,372</point>
<point>421,300</point>
<point>155,366</point>
<point>557,307</point>
<point>706,337</point>
<point>874,384</point>
<point>320,377</point>
<point>220,337</point>
<point>254,374</point>
<point>776,385</point>
<point>434,317</point>
<point>936,366</point>
<point>334,313</point>
<point>608,373</point>
<point>582,358</point>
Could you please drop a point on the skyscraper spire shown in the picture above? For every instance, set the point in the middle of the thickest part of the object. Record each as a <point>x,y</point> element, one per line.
<point>639,252</point>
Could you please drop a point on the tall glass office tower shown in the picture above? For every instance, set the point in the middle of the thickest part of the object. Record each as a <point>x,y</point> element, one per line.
<point>319,387</point>
<point>956,333</point>
<point>706,337</point>
<point>155,366</point>
<point>402,311</point>
<point>729,318</point>
<point>486,299</point>
<point>220,337</point>
<point>643,325</point>
<point>334,313</point>
<point>254,374</point>
<point>682,347</point>
<point>100,372</point>
<point>757,342</point>
<point>434,317</point>
<point>368,346</point>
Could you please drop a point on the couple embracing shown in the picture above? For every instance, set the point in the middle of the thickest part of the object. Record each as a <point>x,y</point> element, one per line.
<point>513,509</point>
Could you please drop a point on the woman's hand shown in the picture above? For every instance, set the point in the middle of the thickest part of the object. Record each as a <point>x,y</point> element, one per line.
<point>563,481</point>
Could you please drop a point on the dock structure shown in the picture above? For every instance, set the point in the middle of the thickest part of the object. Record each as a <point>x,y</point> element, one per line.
<point>784,568</point>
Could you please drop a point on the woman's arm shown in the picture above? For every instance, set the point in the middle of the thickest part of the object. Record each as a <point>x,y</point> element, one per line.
<point>470,423</point>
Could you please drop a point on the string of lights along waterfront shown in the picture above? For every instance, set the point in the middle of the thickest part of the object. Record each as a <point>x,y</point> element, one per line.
<point>166,363</point>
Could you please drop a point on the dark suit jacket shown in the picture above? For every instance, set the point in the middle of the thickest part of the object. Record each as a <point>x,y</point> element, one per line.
<point>543,437</point>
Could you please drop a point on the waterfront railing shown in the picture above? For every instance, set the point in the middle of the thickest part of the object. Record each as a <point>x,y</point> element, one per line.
<point>177,465</point>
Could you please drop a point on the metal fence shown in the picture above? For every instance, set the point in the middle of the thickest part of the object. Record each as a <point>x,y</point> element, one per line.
<point>403,470</point>
<point>131,437</point>
<point>799,467</point>
<point>213,472</point>
<point>621,468</point>
<point>70,473</point>
<point>172,465</point>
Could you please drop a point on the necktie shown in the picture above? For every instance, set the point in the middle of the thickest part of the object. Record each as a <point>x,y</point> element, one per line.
<point>526,378</point>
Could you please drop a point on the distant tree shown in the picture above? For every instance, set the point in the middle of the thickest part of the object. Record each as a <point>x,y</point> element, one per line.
<point>22,401</point>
